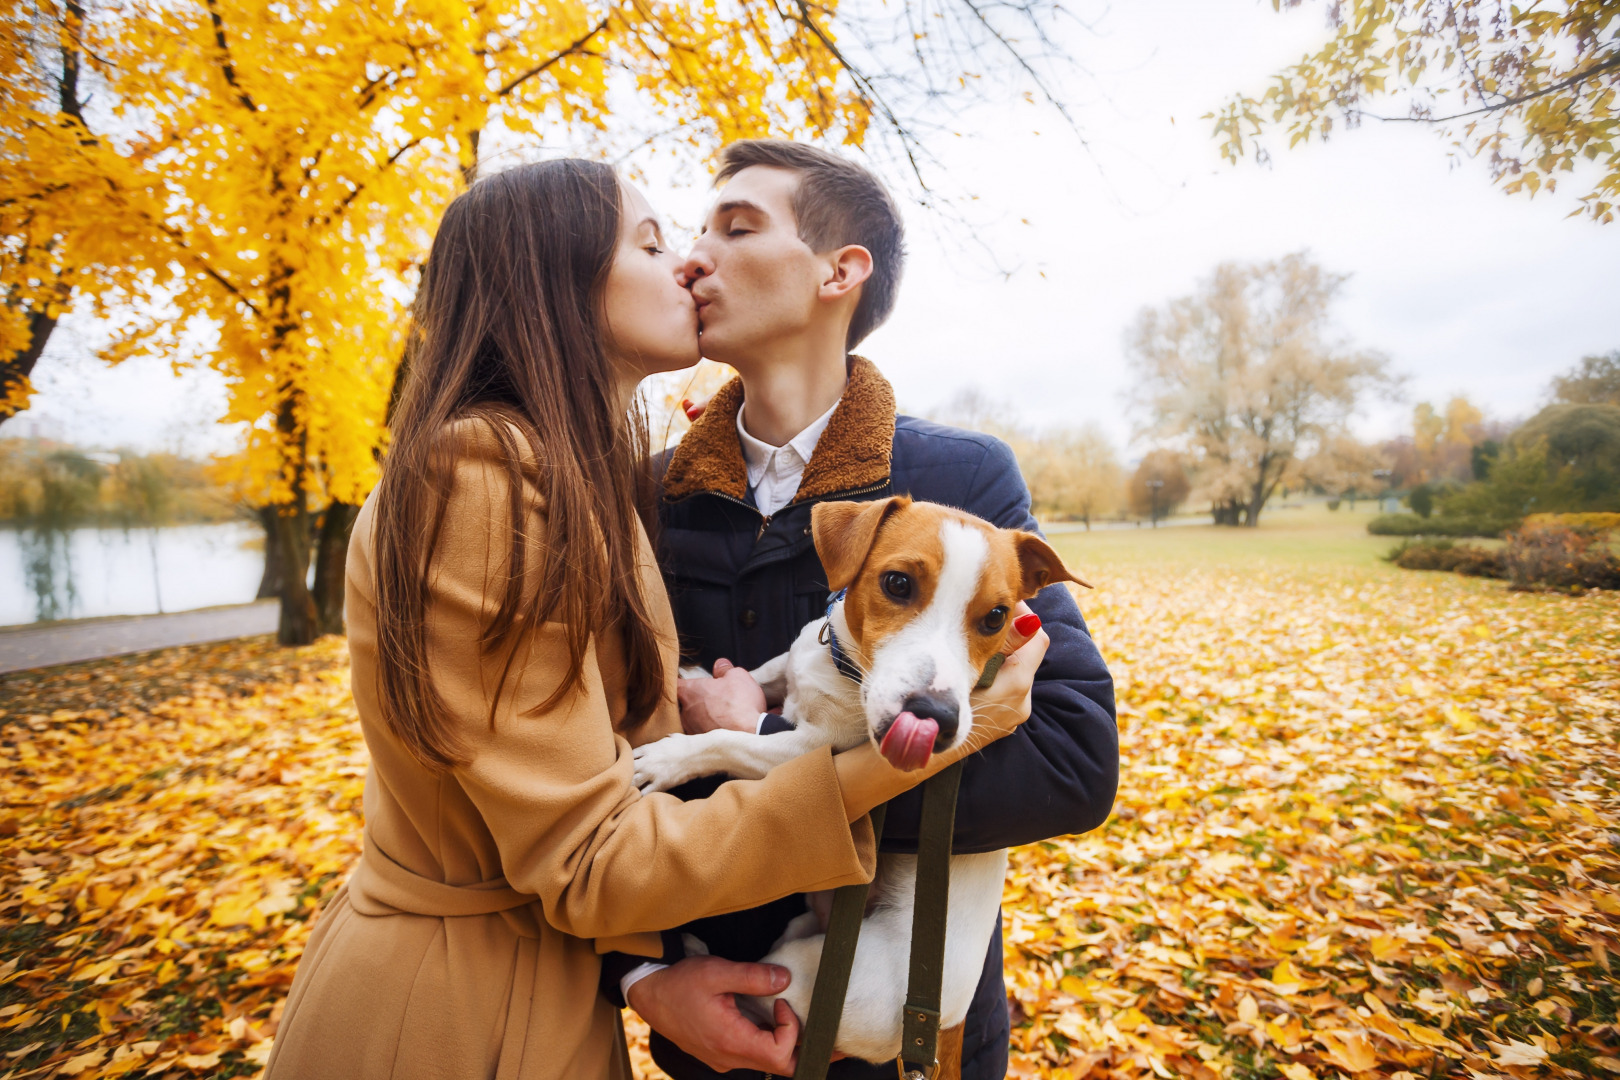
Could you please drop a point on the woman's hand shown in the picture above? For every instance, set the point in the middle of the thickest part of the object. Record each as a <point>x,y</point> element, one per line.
<point>1001,707</point>
<point>865,777</point>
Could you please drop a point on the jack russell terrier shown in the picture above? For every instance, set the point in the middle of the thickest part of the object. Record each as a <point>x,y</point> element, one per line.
<point>922,601</point>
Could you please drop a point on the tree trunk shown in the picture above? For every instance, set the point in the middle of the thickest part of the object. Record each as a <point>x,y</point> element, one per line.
<point>292,544</point>
<point>331,557</point>
<point>20,365</point>
<point>270,580</point>
<point>1257,500</point>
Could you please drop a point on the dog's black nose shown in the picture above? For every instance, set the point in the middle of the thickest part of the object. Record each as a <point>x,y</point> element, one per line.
<point>937,709</point>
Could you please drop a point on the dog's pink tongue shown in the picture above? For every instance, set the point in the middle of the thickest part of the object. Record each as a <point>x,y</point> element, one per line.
<point>909,742</point>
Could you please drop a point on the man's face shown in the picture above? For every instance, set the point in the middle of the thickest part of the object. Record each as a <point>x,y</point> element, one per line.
<point>754,280</point>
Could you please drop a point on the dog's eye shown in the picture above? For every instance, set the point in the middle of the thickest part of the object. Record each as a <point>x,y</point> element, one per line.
<point>897,585</point>
<point>994,621</point>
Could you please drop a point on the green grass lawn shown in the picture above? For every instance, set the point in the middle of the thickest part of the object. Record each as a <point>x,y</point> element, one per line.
<point>1311,534</point>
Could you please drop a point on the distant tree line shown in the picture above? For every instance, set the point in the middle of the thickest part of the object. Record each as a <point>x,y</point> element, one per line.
<point>1466,476</point>
<point>48,489</point>
<point>73,487</point>
<point>1246,388</point>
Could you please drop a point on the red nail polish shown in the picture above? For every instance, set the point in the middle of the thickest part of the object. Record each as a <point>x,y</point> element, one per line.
<point>686,403</point>
<point>1027,624</point>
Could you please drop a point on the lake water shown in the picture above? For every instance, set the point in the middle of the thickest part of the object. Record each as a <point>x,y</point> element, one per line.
<point>197,566</point>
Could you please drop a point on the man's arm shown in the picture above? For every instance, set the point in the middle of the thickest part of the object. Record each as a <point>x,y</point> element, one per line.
<point>1057,773</point>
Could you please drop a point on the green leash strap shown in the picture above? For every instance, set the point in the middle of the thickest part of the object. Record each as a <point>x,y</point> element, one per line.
<point>832,976</point>
<point>930,907</point>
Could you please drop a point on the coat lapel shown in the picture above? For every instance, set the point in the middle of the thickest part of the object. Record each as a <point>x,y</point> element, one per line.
<point>853,453</point>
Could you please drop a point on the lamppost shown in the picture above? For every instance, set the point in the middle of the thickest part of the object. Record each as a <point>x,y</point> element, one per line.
<point>1154,486</point>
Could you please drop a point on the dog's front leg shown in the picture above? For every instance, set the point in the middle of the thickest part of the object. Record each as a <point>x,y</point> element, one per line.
<point>772,678</point>
<point>675,759</point>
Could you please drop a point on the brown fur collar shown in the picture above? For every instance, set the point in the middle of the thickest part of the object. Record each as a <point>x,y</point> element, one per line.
<point>852,453</point>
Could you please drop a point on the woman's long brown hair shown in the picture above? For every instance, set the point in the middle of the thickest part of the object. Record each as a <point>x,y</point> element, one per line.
<point>509,328</point>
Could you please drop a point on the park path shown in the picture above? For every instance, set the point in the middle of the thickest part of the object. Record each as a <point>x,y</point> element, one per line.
<point>91,639</point>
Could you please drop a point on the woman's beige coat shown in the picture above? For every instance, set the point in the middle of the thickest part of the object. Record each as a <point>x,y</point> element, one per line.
<point>466,943</point>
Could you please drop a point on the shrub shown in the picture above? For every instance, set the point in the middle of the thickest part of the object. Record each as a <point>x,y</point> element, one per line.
<point>1421,500</point>
<point>1444,525</point>
<point>1560,558</point>
<point>1597,522</point>
<point>1469,559</point>
<point>1333,504</point>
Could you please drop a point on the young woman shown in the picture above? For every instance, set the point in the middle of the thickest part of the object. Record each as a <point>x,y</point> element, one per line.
<point>511,641</point>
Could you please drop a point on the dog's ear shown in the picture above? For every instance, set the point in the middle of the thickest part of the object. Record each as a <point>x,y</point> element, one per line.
<point>1041,565</point>
<point>844,532</point>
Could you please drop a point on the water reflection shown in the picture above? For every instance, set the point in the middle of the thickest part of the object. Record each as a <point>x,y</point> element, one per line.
<point>113,572</point>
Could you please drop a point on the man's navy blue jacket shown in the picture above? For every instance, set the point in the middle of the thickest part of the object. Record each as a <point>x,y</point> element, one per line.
<point>743,585</point>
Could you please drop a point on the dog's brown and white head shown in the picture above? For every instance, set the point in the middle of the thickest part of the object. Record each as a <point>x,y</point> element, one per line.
<point>930,597</point>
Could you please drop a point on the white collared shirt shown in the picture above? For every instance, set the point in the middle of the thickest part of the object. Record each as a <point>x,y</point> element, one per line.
<point>774,472</point>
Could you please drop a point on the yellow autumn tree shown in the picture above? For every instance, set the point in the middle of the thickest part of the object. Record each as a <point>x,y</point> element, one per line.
<point>63,229</point>
<point>1529,87</point>
<point>289,162</point>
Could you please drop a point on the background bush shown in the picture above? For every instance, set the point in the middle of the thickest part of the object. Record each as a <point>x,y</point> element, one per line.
<point>1469,559</point>
<point>1558,557</point>
<point>1412,525</point>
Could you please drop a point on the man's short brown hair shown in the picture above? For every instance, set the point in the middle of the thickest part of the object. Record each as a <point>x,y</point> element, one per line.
<point>836,203</point>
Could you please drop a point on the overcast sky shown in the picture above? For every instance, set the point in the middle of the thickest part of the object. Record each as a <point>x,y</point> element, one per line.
<point>1466,289</point>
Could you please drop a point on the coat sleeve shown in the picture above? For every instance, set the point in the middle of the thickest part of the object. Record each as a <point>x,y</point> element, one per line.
<point>554,785</point>
<point>1057,773</point>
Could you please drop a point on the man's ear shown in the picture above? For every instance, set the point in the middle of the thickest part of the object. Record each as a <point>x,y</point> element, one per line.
<point>1041,565</point>
<point>850,267</point>
<point>844,531</point>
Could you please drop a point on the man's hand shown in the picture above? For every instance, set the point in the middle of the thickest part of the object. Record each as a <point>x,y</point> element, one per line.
<point>732,700</point>
<point>693,1005</point>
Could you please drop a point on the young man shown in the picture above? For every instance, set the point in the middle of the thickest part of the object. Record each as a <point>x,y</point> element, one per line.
<point>799,260</point>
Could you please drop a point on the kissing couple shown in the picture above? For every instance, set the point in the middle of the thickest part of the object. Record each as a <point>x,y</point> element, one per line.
<point>526,579</point>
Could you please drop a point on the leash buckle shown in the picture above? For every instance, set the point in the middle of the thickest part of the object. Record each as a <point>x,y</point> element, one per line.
<point>919,1042</point>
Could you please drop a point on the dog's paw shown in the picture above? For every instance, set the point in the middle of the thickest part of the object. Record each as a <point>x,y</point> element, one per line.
<point>663,764</point>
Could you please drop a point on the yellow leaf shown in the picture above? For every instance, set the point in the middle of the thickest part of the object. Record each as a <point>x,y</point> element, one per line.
<point>1386,948</point>
<point>1349,1050</point>
<point>84,1062</point>
<point>1514,1052</point>
<point>1131,1019</point>
<point>1286,975</point>
<point>1295,1071</point>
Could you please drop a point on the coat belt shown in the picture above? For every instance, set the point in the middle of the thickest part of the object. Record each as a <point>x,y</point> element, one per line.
<point>381,886</point>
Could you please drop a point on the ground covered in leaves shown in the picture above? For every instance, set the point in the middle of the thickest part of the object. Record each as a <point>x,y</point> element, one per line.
<point>1367,826</point>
